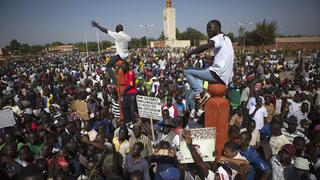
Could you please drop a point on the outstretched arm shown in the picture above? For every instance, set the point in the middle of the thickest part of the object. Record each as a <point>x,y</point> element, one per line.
<point>95,24</point>
<point>196,157</point>
<point>200,49</point>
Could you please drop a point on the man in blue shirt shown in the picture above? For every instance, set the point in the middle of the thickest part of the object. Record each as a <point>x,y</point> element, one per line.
<point>256,162</point>
<point>101,119</point>
<point>135,162</point>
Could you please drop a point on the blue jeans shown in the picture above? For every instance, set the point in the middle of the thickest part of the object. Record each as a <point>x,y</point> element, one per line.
<point>195,77</point>
<point>189,97</point>
<point>112,64</point>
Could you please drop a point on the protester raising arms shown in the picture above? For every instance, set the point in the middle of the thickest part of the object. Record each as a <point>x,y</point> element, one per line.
<point>122,46</point>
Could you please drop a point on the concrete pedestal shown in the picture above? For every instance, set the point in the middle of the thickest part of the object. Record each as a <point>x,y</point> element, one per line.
<point>217,110</point>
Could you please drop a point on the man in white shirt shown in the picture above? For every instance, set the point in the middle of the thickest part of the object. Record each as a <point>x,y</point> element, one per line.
<point>233,157</point>
<point>252,100</point>
<point>162,65</point>
<point>155,86</point>
<point>281,163</point>
<point>258,113</point>
<point>302,114</point>
<point>220,72</point>
<point>291,131</point>
<point>122,46</point>
<point>278,103</point>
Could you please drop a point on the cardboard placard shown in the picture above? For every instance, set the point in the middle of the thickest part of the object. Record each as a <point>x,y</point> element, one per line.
<point>6,118</point>
<point>204,140</point>
<point>149,107</point>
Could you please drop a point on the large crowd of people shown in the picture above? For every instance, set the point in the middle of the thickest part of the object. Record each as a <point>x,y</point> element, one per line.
<point>274,129</point>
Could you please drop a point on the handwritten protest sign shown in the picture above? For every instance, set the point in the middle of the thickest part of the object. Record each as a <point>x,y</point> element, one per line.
<point>6,118</point>
<point>203,139</point>
<point>149,107</point>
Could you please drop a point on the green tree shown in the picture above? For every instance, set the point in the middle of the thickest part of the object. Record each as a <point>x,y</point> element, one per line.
<point>35,49</point>
<point>14,45</point>
<point>193,35</point>
<point>266,31</point>
<point>252,38</point>
<point>24,48</point>
<point>161,37</point>
<point>231,36</point>
<point>178,34</point>
<point>263,34</point>
<point>81,46</point>
<point>56,43</point>
<point>92,46</point>
<point>106,44</point>
<point>47,46</point>
<point>143,41</point>
<point>135,42</point>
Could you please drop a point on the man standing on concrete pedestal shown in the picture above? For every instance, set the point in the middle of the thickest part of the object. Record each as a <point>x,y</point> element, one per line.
<point>122,46</point>
<point>220,72</point>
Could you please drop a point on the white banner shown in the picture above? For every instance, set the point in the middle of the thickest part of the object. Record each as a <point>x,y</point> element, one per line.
<point>6,118</point>
<point>204,140</point>
<point>149,107</point>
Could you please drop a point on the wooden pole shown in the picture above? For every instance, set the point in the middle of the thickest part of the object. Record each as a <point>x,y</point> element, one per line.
<point>152,131</point>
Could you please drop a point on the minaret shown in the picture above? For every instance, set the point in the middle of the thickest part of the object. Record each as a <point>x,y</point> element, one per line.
<point>169,22</point>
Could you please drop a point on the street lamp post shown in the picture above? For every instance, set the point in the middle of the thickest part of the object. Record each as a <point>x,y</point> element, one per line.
<point>277,42</point>
<point>85,38</point>
<point>147,31</point>
<point>98,42</point>
<point>244,33</point>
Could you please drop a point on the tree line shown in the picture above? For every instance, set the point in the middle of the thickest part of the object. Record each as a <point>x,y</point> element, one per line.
<point>264,34</point>
<point>15,47</point>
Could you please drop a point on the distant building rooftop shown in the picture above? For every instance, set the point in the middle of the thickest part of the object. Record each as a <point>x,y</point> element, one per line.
<point>315,39</point>
<point>62,48</point>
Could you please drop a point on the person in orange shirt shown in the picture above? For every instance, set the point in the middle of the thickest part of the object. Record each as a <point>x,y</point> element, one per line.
<point>129,94</point>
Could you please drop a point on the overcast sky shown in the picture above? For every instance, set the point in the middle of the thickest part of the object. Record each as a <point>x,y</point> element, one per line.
<point>45,21</point>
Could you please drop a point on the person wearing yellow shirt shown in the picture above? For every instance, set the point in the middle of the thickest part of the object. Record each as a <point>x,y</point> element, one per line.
<point>121,143</point>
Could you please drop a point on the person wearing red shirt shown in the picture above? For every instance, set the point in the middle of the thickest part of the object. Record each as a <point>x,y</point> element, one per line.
<point>129,94</point>
<point>173,111</point>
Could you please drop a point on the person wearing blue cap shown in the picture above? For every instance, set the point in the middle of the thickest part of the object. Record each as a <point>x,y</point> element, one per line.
<point>170,174</point>
<point>166,161</point>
